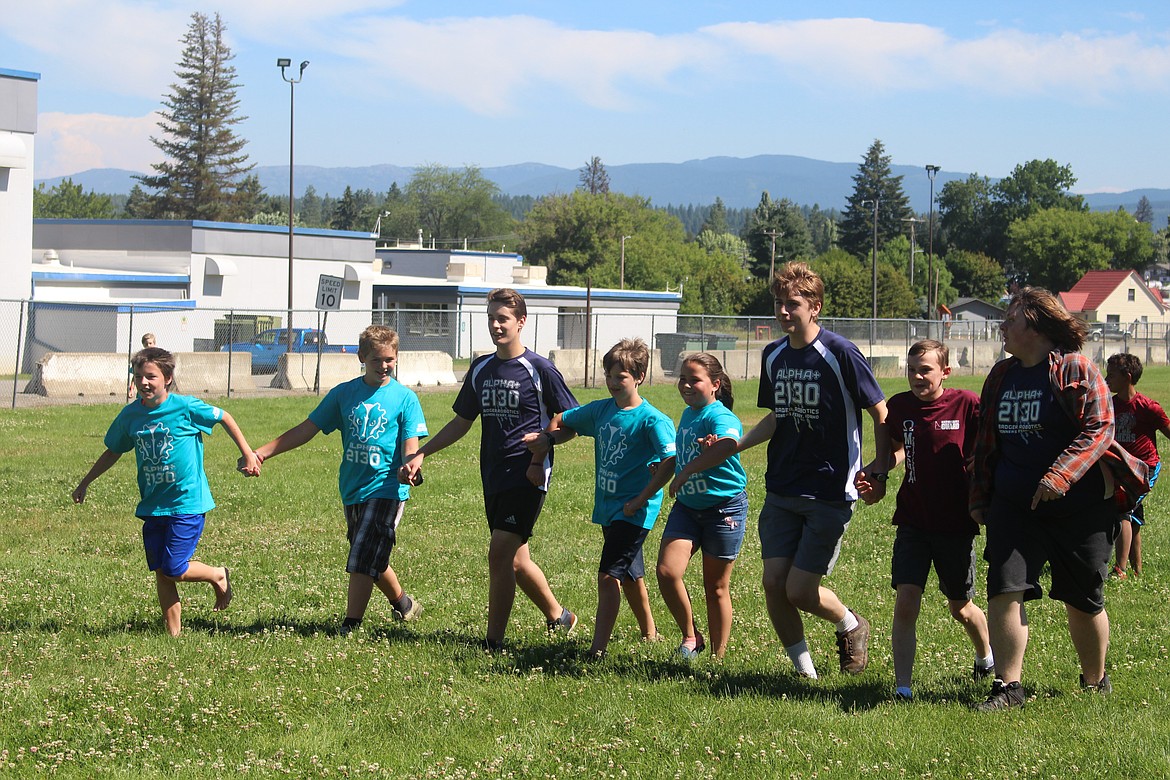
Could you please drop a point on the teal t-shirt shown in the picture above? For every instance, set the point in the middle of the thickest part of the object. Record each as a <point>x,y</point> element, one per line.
<point>168,446</point>
<point>374,423</point>
<point>717,484</point>
<point>625,443</point>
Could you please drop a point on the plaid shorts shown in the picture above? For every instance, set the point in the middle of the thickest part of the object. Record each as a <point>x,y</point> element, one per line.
<point>370,529</point>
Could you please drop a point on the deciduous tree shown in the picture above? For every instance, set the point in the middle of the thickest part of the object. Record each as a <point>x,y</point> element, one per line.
<point>68,201</point>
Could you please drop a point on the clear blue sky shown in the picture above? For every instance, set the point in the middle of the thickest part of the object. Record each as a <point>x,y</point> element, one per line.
<point>976,87</point>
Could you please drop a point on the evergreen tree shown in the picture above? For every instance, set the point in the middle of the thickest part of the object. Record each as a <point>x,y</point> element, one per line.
<point>138,204</point>
<point>205,161</point>
<point>716,220</point>
<point>594,177</point>
<point>311,212</point>
<point>1144,211</point>
<point>873,182</point>
<point>348,211</point>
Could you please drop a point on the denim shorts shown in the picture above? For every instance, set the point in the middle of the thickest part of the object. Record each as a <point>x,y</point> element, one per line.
<point>170,542</point>
<point>717,530</point>
<point>806,530</point>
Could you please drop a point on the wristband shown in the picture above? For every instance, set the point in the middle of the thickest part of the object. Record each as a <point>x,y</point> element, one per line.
<point>552,440</point>
<point>880,476</point>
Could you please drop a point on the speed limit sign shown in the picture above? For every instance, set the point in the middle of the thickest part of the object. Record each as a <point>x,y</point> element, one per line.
<point>329,293</point>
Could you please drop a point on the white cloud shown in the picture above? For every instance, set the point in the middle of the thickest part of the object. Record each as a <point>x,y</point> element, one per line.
<point>70,143</point>
<point>485,64</point>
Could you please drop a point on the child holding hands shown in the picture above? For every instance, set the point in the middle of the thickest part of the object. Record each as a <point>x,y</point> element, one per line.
<point>166,430</point>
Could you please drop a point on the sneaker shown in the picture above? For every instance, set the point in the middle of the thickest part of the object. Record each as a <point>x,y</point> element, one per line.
<point>567,621</point>
<point>1102,687</point>
<point>690,654</point>
<point>410,614</point>
<point>1003,696</point>
<point>981,672</point>
<point>902,693</point>
<point>853,647</point>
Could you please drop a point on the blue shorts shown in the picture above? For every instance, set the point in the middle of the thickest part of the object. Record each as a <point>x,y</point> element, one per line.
<point>717,530</point>
<point>807,530</point>
<point>1137,515</point>
<point>170,542</point>
<point>621,555</point>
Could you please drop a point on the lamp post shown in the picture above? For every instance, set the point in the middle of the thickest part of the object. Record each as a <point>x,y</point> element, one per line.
<point>931,170</point>
<point>623,265</point>
<point>283,63</point>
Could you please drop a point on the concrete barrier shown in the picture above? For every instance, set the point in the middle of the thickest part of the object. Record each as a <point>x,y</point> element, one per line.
<point>425,368</point>
<point>71,374</point>
<point>206,373</point>
<point>297,371</point>
<point>571,364</point>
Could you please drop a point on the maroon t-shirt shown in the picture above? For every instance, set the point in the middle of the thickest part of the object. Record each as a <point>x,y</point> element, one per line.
<point>938,437</point>
<point>1138,422</point>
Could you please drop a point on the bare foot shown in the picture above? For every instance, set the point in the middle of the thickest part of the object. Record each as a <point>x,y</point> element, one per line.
<point>223,596</point>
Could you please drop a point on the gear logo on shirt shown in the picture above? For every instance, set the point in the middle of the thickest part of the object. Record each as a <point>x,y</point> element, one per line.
<point>155,443</point>
<point>368,421</point>
<point>613,446</point>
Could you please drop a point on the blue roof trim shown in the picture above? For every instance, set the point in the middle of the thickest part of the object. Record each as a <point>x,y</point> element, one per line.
<point>71,276</point>
<point>20,74</point>
<point>120,308</point>
<point>550,292</point>
<point>206,225</point>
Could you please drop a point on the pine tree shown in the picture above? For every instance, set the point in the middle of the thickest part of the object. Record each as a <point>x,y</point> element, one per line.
<point>873,182</point>
<point>205,162</point>
<point>594,177</point>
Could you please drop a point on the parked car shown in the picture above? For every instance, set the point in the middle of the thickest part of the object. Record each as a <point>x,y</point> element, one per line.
<point>1107,330</point>
<point>269,345</point>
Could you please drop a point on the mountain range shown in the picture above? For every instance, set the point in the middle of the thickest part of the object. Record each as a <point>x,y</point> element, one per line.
<point>739,182</point>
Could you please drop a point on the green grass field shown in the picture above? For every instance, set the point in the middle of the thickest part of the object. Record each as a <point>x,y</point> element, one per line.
<point>92,685</point>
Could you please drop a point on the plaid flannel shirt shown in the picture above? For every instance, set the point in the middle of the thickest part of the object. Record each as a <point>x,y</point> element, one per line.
<point>1081,391</point>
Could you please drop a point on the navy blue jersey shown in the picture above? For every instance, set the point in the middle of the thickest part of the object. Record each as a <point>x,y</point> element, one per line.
<point>515,397</point>
<point>817,394</point>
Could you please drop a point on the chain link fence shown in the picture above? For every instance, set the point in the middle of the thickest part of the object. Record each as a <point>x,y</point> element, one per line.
<point>31,330</point>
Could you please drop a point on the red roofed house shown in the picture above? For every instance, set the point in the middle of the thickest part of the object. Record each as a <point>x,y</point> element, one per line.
<point>1119,297</point>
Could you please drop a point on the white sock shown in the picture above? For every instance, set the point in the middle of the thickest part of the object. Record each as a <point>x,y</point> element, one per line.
<point>847,623</point>
<point>802,659</point>
<point>985,663</point>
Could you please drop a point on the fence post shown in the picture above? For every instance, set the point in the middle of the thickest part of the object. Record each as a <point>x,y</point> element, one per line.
<point>231,340</point>
<point>16,364</point>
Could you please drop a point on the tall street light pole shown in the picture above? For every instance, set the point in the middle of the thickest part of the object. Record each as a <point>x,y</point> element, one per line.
<point>931,170</point>
<point>623,267</point>
<point>283,63</point>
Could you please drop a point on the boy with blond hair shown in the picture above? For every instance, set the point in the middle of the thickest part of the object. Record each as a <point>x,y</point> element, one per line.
<point>380,422</point>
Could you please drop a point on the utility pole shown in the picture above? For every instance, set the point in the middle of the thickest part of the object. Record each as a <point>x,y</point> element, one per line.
<point>873,320</point>
<point>913,247</point>
<point>772,233</point>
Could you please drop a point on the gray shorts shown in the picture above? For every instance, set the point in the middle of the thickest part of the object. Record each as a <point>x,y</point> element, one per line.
<point>807,530</point>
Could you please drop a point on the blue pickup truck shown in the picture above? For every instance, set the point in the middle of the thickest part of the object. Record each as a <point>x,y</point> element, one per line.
<point>269,345</point>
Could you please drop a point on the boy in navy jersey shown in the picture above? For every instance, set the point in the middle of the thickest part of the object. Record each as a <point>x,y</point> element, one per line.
<point>932,431</point>
<point>515,391</point>
<point>815,385</point>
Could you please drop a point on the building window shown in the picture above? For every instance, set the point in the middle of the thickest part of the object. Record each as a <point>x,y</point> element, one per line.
<point>1131,294</point>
